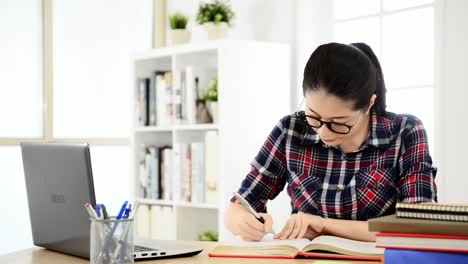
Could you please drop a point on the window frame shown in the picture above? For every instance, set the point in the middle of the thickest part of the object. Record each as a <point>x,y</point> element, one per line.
<point>48,89</point>
<point>437,6</point>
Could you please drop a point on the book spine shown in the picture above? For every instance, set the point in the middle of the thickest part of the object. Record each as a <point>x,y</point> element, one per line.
<point>211,167</point>
<point>168,153</point>
<point>177,97</point>
<point>190,95</point>
<point>392,256</point>
<point>147,101</point>
<point>433,216</point>
<point>152,100</point>
<point>170,116</point>
<point>155,188</point>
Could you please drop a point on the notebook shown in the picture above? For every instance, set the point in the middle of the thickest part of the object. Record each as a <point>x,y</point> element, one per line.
<point>397,256</point>
<point>394,224</point>
<point>424,242</point>
<point>320,247</point>
<point>433,211</point>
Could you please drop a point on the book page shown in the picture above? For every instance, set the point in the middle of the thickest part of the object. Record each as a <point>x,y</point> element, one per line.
<point>348,244</point>
<point>269,242</point>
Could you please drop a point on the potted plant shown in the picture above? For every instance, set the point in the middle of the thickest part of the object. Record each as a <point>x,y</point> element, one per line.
<point>208,235</point>
<point>216,16</point>
<point>211,98</point>
<point>179,34</point>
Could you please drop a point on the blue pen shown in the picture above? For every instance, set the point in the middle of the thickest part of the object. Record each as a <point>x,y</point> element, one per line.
<point>98,210</point>
<point>122,210</point>
<point>127,211</point>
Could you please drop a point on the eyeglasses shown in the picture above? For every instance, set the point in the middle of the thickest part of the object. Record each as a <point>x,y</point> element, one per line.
<point>335,127</point>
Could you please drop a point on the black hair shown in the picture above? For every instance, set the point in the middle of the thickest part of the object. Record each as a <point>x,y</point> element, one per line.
<point>350,72</point>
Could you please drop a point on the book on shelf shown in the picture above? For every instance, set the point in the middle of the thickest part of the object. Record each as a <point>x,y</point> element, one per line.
<point>142,99</point>
<point>154,172</point>
<point>198,172</point>
<point>434,211</point>
<point>397,256</point>
<point>166,178</point>
<point>167,97</point>
<point>196,166</point>
<point>211,167</point>
<point>394,224</point>
<point>320,247</point>
<point>424,242</point>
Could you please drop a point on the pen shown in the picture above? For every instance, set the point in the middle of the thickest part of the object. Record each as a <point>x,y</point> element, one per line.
<point>249,208</point>
<point>98,211</point>
<point>104,211</point>
<point>127,211</point>
<point>122,210</point>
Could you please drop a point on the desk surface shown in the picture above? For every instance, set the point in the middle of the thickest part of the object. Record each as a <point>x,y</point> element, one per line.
<point>38,255</point>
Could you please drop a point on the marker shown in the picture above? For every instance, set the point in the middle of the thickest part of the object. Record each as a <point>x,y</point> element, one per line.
<point>91,211</point>
<point>249,208</point>
<point>104,211</point>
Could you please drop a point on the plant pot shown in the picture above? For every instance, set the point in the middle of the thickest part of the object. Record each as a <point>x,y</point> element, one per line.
<point>216,31</point>
<point>179,36</point>
<point>213,108</point>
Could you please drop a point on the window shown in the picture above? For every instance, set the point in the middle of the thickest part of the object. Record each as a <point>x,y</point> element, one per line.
<point>401,33</point>
<point>21,69</point>
<point>21,111</point>
<point>85,96</point>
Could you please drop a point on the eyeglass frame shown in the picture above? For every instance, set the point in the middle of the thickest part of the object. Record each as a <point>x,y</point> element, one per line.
<point>303,116</point>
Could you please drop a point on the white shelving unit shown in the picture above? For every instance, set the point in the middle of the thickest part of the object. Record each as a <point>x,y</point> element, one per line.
<point>253,94</point>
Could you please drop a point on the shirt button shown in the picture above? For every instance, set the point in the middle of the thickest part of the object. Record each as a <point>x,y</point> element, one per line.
<point>344,157</point>
<point>339,188</point>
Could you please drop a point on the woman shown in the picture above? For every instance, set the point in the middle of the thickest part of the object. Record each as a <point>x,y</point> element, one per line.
<point>345,159</point>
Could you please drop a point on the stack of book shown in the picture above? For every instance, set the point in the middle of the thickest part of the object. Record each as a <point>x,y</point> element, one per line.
<point>423,232</point>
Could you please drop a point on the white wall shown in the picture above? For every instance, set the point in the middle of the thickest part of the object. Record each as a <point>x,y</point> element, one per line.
<point>262,20</point>
<point>451,119</point>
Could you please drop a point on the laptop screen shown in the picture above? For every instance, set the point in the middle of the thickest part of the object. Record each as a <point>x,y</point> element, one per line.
<point>59,182</point>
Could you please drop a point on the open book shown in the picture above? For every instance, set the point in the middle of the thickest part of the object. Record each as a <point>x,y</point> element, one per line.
<point>319,247</point>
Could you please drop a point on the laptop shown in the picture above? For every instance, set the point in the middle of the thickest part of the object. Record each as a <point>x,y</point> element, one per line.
<point>59,181</point>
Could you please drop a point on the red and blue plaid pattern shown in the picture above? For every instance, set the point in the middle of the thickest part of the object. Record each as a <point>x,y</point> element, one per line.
<point>392,165</point>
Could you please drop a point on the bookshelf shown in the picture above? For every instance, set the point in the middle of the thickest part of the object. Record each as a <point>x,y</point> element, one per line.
<point>253,94</point>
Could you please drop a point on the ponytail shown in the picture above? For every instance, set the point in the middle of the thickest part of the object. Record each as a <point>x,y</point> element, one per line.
<point>380,90</point>
<point>350,72</point>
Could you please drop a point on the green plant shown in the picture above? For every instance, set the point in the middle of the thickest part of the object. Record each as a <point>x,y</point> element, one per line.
<point>178,21</point>
<point>216,11</point>
<point>211,93</point>
<point>208,236</point>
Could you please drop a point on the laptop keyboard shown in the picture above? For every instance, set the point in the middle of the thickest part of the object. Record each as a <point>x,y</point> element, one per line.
<point>141,248</point>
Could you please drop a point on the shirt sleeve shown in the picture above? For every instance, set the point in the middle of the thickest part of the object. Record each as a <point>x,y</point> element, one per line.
<point>267,176</point>
<point>416,182</point>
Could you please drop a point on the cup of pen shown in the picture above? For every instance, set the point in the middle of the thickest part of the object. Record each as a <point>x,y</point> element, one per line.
<point>111,240</point>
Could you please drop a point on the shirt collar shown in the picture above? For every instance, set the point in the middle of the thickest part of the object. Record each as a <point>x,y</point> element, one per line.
<point>379,135</point>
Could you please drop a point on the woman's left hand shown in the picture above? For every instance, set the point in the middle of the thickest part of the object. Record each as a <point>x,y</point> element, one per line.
<point>302,225</point>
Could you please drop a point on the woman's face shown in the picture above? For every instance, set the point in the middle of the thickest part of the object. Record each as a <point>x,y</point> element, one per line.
<point>326,107</point>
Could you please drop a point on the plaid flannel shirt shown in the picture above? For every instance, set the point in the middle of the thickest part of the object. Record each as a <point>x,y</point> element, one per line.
<point>392,165</point>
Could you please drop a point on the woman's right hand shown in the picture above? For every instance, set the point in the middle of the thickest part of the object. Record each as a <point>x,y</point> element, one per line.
<point>242,223</point>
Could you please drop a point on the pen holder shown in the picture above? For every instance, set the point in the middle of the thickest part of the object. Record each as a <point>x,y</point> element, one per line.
<point>111,241</point>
